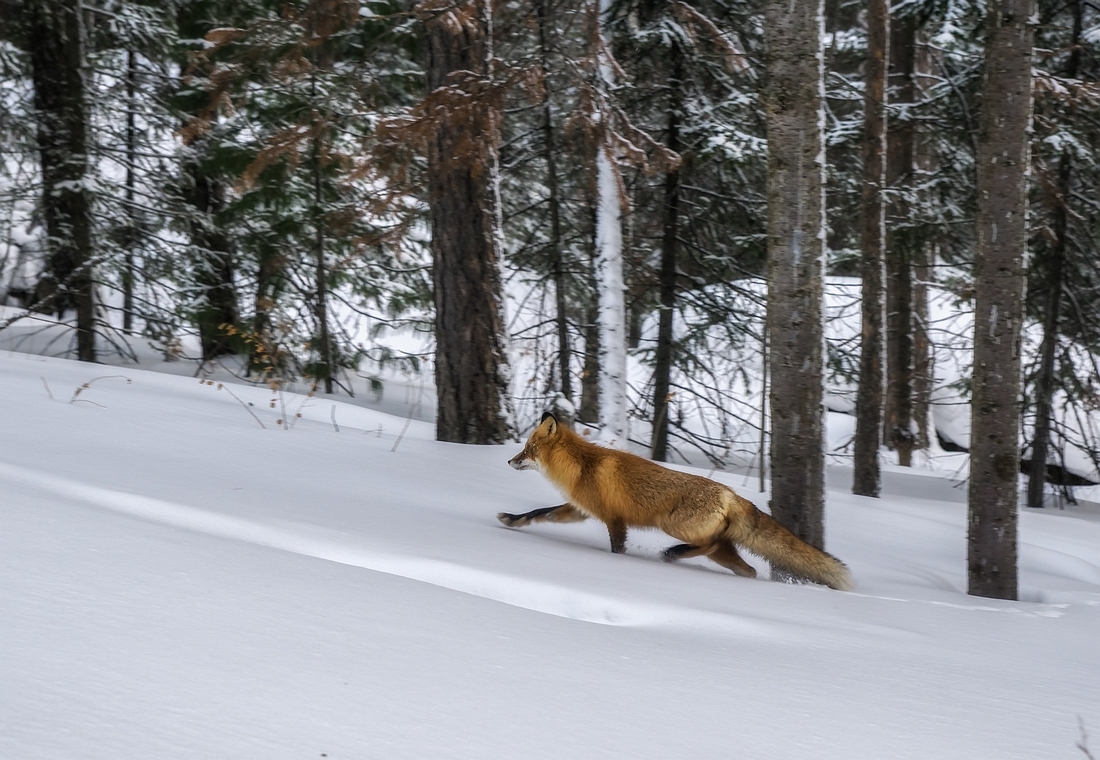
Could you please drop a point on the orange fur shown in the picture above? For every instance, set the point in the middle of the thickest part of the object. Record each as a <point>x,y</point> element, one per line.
<point>626,491</point>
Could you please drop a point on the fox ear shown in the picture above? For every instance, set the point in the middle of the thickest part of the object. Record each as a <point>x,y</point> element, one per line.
<point>550,422</point>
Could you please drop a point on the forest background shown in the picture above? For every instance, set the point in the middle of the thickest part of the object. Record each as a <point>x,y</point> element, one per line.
<point>580,206</point>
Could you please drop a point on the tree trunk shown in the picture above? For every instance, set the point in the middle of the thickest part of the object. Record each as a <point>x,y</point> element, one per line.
<point>866,477</point>
<point>589,410</point>
<point>55,29</point>
<point>999,279</point>
<point>924,260</point>
<point>263,355</point>
<point>213,261</point>
<point>793,104</point>
<point>611,315</point>
<point>471,363</point>
<point>321,271</point>
<point>320,304</point>
<point>662,372</point>
<point>899,274</point>
<point>923,367</point>
<point>1051,267</point>
<point>557,265</point>
<point>131,229</point>
<point>609,274</point>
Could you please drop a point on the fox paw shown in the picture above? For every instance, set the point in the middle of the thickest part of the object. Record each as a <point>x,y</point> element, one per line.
<point>508,519</point>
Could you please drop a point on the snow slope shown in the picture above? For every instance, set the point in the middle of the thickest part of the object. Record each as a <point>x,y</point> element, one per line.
<point>177,581</point>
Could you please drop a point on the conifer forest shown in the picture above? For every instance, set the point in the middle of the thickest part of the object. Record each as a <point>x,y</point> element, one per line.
<point>696,229</point>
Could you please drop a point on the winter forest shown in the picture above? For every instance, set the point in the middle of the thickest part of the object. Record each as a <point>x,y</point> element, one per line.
<point>693,226</point>
<point>267,268</point>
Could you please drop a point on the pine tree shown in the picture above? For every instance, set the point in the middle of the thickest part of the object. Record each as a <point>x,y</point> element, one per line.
<point>999,277</point>
<point>793,99</point>
<point>54,36</point>
<point>471,362</point>
<point>866,479</point>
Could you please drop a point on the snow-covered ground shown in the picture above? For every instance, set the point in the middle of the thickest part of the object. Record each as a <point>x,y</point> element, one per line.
<point>177,581</point>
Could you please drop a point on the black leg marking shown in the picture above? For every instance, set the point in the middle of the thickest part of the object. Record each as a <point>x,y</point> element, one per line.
<point>673,553</point>
<point>560,513</point>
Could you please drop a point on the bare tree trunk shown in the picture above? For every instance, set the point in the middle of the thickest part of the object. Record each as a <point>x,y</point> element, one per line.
<point>662,372</point>
<point>924,260</point>
<point>923,367</point>
<point>321,270</point>
<point>557,265</point>
<point>55,29</point>
<point>320,304</point>
<point>793,103</point>
<point>589,410</point>
<point>999,277</point>
<point>866,477</point>
<point>213,262</point>
<point>609,273</point>
<point>471,361</point>
<point>263,354</point>
<point>131,231</point>
<point>1052,266</point>
<point>899,275</point>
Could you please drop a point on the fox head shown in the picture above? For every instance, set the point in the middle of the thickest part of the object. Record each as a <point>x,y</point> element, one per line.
<point>541,437</point>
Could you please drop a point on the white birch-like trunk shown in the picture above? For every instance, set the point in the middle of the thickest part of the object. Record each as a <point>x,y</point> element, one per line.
<point>507,397</point>
<point>610,301</point>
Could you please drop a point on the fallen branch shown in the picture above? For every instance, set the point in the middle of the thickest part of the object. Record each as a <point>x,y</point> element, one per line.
<point>88,385</point>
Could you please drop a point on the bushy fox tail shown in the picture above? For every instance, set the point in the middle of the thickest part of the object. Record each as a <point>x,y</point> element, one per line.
<point>762,535</point>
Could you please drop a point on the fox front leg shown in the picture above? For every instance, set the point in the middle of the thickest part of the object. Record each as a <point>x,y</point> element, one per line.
<point>616,531</point>
<point>563,513</point>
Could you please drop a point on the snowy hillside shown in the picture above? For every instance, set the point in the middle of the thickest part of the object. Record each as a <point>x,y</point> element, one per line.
<point>178,581</point>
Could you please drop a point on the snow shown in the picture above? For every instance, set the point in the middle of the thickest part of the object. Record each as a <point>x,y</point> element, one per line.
<point>178,582</point>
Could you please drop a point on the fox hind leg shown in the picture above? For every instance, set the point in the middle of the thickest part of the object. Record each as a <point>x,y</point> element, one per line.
<point>721,551</point>
<point>726,555</point>
<point>684,551</point>
<point>562,513</point>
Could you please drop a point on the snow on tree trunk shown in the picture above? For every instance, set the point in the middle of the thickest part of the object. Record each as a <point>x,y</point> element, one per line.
<point>1052,271</point>
<point>610,301</point>
<point>999,280</point>
<point>611,308</point>
<point>471,360</point>
<point>794,108</point>
<point>56,29</point>
<point>898,432</point>
<point>866,479</point>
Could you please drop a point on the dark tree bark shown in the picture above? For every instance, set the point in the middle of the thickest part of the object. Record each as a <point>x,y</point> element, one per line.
<point>662,372</point>
<point>924,254</point>
<point>557,265</point>
<point>320,296</point>
<point>1051,267</point>
<point>923,367</point>
<point>55,42</point>
<point>793,102</point>
<point>270,274</point>
<point>899,273</point>
<point>866,478</point>
<point>213,262</point>
<point>322,60</point>
<point>470,358</point>
<point>999,277</point>
<point>589,410</point>
<point>131,229</point>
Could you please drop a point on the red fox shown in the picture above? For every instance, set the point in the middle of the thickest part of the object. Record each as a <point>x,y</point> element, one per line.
<point>623,490</point>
